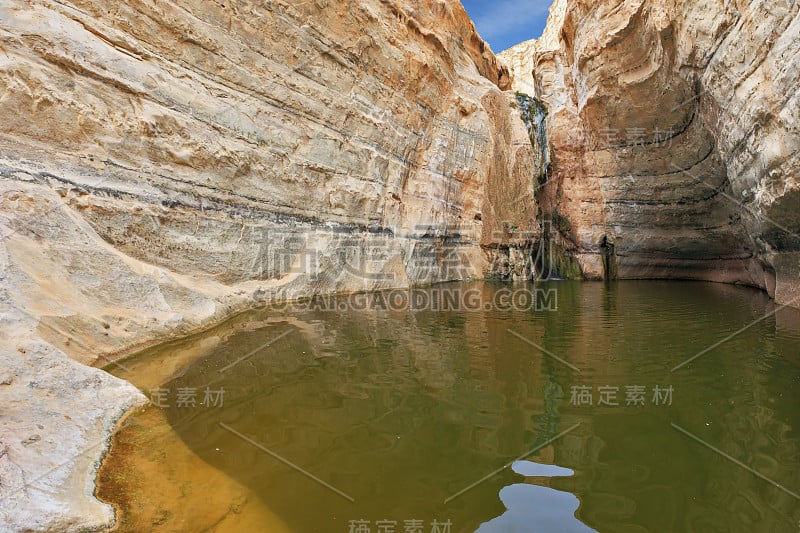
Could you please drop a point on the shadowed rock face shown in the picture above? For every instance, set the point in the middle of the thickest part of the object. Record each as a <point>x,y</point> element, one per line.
<point>673,127</point>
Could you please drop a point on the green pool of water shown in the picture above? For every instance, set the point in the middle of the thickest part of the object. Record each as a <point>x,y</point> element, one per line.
<point>384,418</point>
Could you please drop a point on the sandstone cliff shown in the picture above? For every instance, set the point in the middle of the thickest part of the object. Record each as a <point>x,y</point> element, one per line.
<point>674,132</point>
<point>165,164</point>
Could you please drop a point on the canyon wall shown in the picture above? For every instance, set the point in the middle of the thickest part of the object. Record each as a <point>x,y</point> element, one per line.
<point>166,164</point>
<point>673,128</point>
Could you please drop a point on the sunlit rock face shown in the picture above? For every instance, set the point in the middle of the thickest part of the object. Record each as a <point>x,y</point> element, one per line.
<point>674,132</point>
<point>185,126</point>
<point>168,162</point>
<point>165,164</point>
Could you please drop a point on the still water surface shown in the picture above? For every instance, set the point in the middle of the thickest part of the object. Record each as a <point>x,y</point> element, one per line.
<point>375,420</point>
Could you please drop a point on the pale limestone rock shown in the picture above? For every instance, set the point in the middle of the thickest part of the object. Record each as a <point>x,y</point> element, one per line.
<point>520,58</point>
<point>155,156</point>
<point>166,164</point>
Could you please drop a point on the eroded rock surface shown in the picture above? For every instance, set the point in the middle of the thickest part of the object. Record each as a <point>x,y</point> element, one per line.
<point>674,132</point>
<point>166,164</point>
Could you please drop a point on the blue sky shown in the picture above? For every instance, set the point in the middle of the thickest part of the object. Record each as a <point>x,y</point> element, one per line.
<point>504,23</point>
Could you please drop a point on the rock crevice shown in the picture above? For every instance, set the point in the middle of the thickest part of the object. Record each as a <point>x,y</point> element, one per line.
<point>673,128</point>
<point>165,165</point>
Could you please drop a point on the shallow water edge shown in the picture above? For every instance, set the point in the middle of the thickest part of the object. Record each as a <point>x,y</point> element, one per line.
<point>291,386</point>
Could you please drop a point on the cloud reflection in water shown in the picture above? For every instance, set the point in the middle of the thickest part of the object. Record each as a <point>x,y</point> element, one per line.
<point>537,509</point>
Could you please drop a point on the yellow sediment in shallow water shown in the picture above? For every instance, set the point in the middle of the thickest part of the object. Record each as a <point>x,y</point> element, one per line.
<point>153,479</point>
<point>157,483</point>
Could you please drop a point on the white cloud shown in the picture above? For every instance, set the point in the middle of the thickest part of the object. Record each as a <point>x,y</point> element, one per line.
<point>502,17</point>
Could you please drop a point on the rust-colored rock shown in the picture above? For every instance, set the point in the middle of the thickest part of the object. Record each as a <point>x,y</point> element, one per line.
<point>673,126</point>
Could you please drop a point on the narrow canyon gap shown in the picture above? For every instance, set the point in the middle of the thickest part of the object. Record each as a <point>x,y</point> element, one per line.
<point>155,158</point>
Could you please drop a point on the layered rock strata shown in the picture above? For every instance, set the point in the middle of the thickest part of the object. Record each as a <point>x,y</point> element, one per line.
<point>673,129</point>
<point>166,164</point>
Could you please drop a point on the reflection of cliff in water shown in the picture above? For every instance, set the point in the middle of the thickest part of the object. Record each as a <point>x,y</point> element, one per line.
<point>398,410</point>
<point>634,469</point>
<point>402,410</point>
